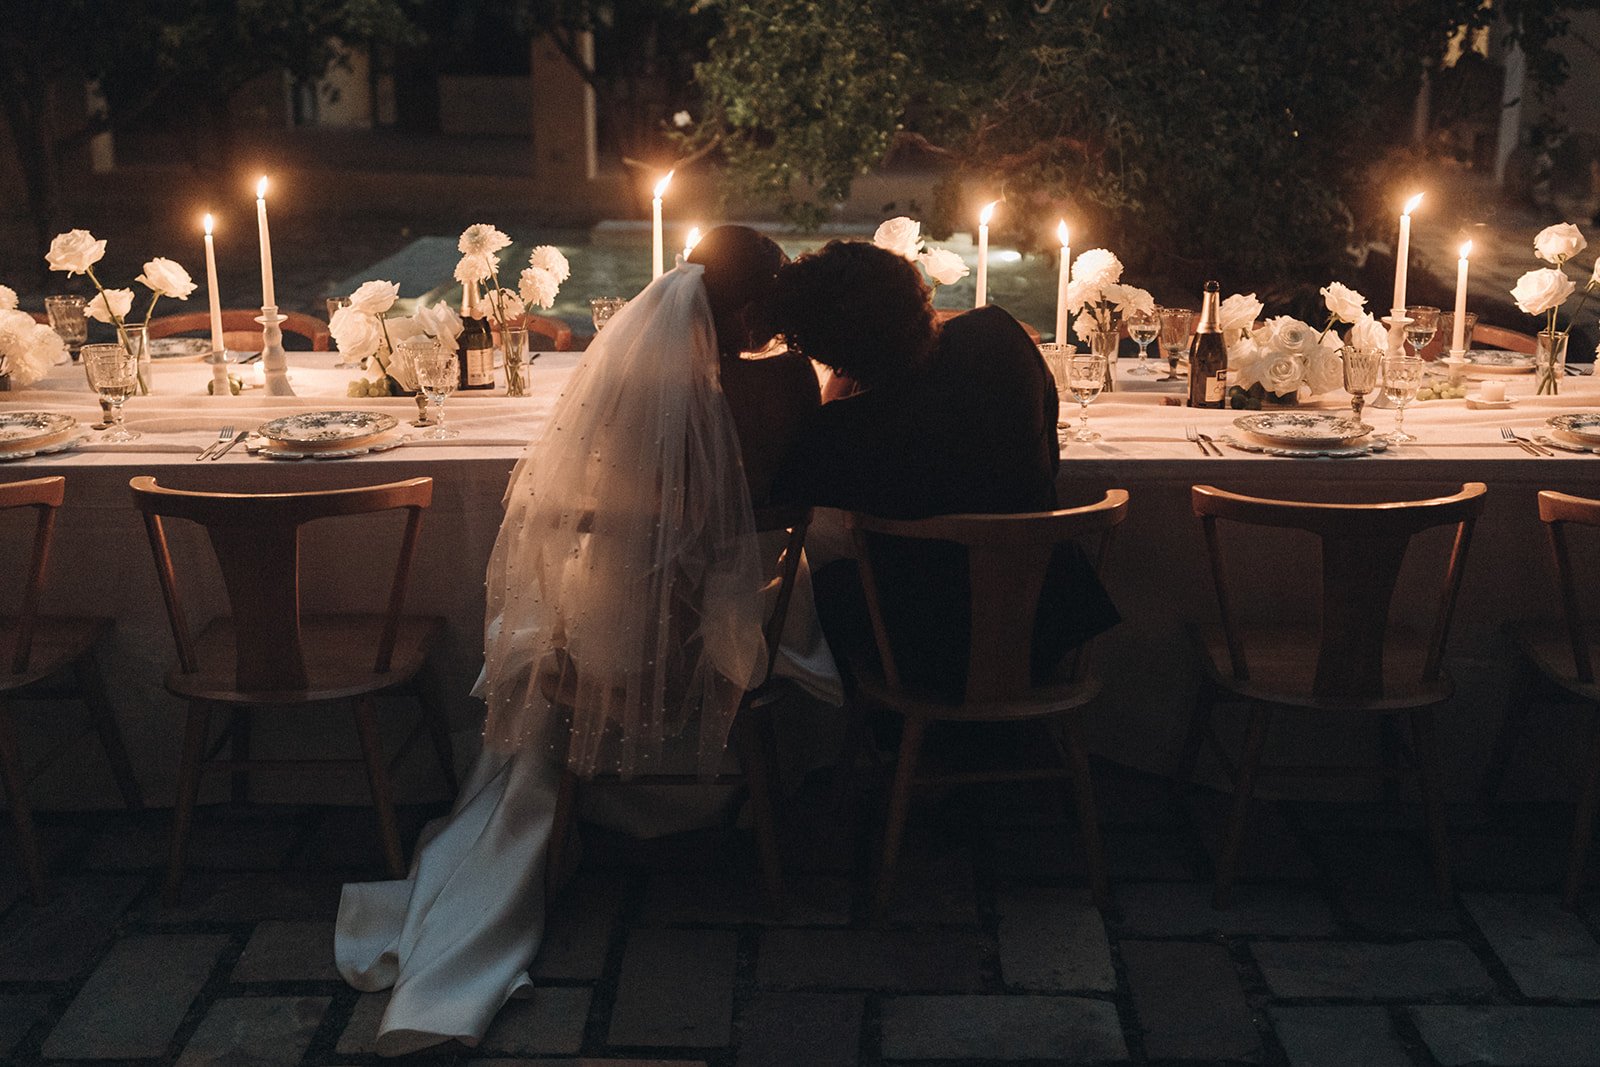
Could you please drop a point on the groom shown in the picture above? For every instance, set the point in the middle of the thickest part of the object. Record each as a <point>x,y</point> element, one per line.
<point>958,419</point>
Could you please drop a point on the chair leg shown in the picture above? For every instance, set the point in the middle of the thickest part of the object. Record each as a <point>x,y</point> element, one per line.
<point>1512,724</point>
<point>93,689</point>
<point>196,729</point>
<point>16,787</point>
<point>433,714</point>
<point>1205,701</point>
<point>1088,813</point>
<point>757,765</point>
<point>1255,742</point>
<point>899,807</point>
<point>1427,749</point>
<point>366,717</point>
<point>560,834</point>
<point>239,728</point>
<point>1583,823</point>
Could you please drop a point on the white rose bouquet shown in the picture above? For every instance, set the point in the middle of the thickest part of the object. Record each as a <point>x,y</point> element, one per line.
<point>1542,292</point>
<point>28,349</point>
<point>1286,360</point>
<point>360,330</point>
<point>1096,294</point>
<point>903,236</point>
<point>77,251</point>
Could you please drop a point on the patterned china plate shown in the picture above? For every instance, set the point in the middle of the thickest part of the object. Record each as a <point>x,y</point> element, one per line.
<point>1327,452</point>
<point>277,450</point>
<point>1303,429</point>
<point>1567,444</point>
<point>179,348</point>
<point>7,455</point>
<point>18,429</point>
<point>1584,425</point>
<point>1494,361</point>
<point>326,429</point>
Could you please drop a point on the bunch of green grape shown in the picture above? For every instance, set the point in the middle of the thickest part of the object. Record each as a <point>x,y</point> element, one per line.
<point>1441,391</point>
<point>360,387</point>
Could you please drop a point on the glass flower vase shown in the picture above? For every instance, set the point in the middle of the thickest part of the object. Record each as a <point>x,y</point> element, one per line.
<point>1104,343</point>
<point>1550,361</point>
<point>136,341</point>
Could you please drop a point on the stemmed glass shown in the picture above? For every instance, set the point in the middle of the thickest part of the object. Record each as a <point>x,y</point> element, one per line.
<point>114,372</point>
<point>1177,327</point>
<point>1086,376</point>
<point>1423,325</point>
<point>1144,326</point>
<point>67,319</point>
<point>1056,354</point>
<point>601,308</point>
<point>438,373</point>
<point>1361,366</point>
<point>1402,376</point>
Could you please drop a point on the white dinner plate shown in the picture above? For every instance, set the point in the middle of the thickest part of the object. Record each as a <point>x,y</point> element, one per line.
<point>276,450</point>
<point>1303,429</point>
<point>1584,425</point>
<point>1351,451</point>
<point>41,448</point>
<point>22,429</point>
<point>327,429</point>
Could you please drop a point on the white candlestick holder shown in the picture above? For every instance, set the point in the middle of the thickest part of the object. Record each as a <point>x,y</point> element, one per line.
<point>1456,364</point>
<point>1397,323</point>
<point>219,373</point>
<point>274,362</point>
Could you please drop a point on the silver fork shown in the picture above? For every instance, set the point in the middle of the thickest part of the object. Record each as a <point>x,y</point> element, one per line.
<point>224,435</point>
<point>1530,447</point>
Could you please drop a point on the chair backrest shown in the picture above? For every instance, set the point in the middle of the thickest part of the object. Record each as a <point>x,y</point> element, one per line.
<point>44,495</point>
<point>558,333</point>
<point>1363,547</point>
<point>256,537</point>
<point>1485,336</point>
<point>1558,510</point>
<point>242,321</point>
<point>797,521</point>
<point>1007,556</point>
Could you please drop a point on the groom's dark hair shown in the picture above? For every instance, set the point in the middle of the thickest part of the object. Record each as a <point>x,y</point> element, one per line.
<point>741,272</point>
<point>857,308</point>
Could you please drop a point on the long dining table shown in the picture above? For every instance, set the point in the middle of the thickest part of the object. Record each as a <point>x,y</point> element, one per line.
<point>1157,570</point>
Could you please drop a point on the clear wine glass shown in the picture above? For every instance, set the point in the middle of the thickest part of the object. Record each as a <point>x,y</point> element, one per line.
<point>1144,326</point>
<point>67,319</point>
<point>438,373</point>
<point>1177,327</point>
<point>1056,354</point>
<point>1086,376</point>
<point>114,372</point>
<point>1423,325</point>
<point>1402,376</point>
<point>1361,368</point>
<point>601,308</point>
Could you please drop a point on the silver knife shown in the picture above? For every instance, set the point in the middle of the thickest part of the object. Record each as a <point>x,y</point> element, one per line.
<point>240,436</point>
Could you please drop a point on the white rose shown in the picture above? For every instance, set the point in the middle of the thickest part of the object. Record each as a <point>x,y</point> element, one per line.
<point>1559,243</point>
<point>1540,290</point>
<point>355,332</point>
<point>74,251</point>
<point>120,300</point>
<point>476,267</point>
<point>1344,303</point>
<point>8,298</point>
<point>375,297</point>
<point>482,239</point>
<point>1368,332</point>
<point>1238,313</point>
<point>549,257</point>
<point>1290,334</point>
<point>538,287</point>
<point>166,278</point>
<point>1283,373</point>
<point>1097,268</point>
<point>1132,298</point>
<point>1244,361</point>
<point>1324,368</point>
<point>440,321</point>
<point>681,119</point>
<point>403,328</point>
<point>943,266</point>
<point>900,235</point>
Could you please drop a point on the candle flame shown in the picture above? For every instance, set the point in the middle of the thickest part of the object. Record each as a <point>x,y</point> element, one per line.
<point>661,186</point>
<point>1411,205</point>
<point>692,240</point>
<point>208,224</point>
<point>261,188</point>
<point>1061,232</point>
<point>987,213</point>
<point>1466,250</point>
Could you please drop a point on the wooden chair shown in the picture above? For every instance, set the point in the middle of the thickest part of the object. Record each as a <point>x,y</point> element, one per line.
<point>1485,336</point>
<point>38,650</point>
<point>267,653</point>
<point>1345,661</point>
<point>1556,658</point>
<point>240,330</point>
<point>943,315</point>
<point>1007,556</point>
<point>547,334</point>
<point>752,733</point>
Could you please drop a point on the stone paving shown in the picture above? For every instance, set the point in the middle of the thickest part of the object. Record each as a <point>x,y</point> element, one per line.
<point>662,952</point>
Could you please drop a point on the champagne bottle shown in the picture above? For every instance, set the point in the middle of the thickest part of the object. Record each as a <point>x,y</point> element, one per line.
<point>475,348</point>
<point>1208,355</point>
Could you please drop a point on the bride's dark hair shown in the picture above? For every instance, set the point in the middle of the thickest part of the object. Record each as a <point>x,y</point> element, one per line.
<point>741,271</point>
<point>857,308</point>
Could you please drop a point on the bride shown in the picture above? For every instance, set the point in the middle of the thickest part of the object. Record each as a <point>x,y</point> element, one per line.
<point>627,578</point>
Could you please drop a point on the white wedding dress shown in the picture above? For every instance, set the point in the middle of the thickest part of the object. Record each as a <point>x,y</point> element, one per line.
<point>628,549</point>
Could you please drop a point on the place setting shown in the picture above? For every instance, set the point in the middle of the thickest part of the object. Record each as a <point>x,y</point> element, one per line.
<point>1304,435</point>
<point>26,434</point>
<point>1577,432</point>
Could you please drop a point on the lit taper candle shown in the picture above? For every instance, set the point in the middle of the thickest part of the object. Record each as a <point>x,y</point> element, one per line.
<point>1063,280</point>
<point>269,297</point>
<point>1458,322</point>
<point>982,296</point>
<point>211,288</point>
<point>1402,252</point>
<point>657,249</point>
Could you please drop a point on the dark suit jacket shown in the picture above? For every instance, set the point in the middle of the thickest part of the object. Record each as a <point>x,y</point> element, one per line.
<point>976,433</point>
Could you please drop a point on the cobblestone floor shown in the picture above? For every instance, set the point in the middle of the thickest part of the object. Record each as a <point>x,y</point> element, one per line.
<point>662,952</point>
